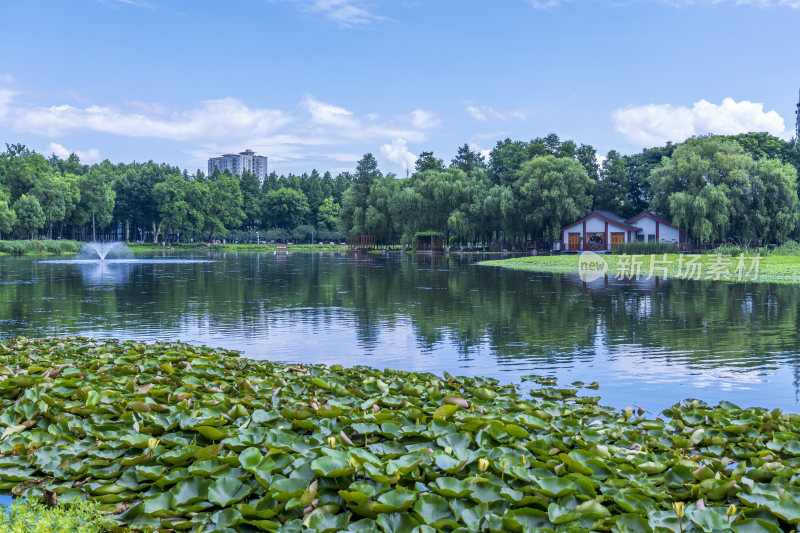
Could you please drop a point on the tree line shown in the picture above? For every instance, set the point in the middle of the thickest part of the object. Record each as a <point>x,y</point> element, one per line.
<point>741,189</point>
<point>160,203</point>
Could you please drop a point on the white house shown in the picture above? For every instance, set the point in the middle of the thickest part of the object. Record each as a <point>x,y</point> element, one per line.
<point>605,231</point>
<point>653,227</point>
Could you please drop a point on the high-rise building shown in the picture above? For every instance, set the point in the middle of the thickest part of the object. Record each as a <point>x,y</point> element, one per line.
<point>236,164</point>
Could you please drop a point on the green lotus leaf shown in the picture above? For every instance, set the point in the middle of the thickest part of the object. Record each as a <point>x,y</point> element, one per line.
<point>433,510</point>
<point>226,491</point>
<point>559,514</point>
<point>331,466</point>
<point>212,433</point>
<point>394,501</point>
<point>397,523</point>
<point>555,487</point>
<point>755,525</point>
<point>190,491</point>
<point>444,412</point>
<point>250,458</point>
<point>286,488</point>
<point>524,519</point>
<point>451,487</point>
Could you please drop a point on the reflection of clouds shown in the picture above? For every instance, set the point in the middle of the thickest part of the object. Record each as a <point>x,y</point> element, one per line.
<point>659,366</point>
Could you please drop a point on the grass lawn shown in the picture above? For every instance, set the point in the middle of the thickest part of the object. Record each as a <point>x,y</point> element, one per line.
<point>771,268</point>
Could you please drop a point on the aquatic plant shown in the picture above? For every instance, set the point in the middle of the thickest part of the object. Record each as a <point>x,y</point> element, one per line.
<point>31,516</point>
<point>175,437</point>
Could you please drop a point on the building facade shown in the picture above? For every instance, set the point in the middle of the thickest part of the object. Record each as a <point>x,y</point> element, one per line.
<point>604,231</point>
<point>237,164</point>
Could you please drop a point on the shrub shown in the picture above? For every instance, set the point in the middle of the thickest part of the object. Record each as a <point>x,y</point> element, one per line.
<point>647,248</point>
<point>788,248</point>
<point>32,517</point>
<point>39,247</point>
<point>736,249</point>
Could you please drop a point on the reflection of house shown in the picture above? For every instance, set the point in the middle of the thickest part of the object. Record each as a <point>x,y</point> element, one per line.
<point>605,231</point>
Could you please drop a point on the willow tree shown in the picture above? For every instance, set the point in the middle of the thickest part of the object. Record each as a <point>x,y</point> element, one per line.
<point>551,191</point>
<point>713,188</point>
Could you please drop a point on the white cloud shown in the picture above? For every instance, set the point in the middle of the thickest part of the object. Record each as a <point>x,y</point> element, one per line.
<point>6,78</point>
<point>346,13</point>
<point>6,96</point>
<point>794,4</point>
<point>87,157</point>
<point>654,124</point>
<point>327,114</point>
<point>226,118</point>
<point>397,152</point>
<point>424,119</point>
<point>547,4</point>
<point>484,113</point>
<point>221,126</point>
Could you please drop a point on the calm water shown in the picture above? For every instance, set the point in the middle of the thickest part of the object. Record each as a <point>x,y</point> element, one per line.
<point>648,345</point>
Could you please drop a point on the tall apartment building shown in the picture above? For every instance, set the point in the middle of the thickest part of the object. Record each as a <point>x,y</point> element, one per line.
<point>236,164</point>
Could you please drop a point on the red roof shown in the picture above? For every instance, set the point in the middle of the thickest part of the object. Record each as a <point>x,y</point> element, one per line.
<point>607,216</point>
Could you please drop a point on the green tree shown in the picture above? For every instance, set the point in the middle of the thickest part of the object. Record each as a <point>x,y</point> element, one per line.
<point>30,217</point>
<point>355,200</point>
<point>428,161</point>
<point>55,194</point>
<point>250,188</point>
<point>612,189</point>
<point>773,204</point>
<point>703,186</point>
<point>8,218</point>
<point>221,205</point>
<point>97,197</point>
<point>19,168</point>
<point>328,214</point>
<point>377,217</point>
<point>173,198</point>
<point>551,192</point>
<point>467,159</point>
<point>284,208</point>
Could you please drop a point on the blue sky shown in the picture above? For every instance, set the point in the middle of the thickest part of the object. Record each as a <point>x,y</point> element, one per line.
<point>317,83</point>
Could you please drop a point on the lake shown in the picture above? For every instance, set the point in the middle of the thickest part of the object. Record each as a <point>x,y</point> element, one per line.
<point>648,343</point>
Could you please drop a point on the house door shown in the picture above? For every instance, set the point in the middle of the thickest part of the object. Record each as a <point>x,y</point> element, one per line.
<point>616,239</point>
<point>574,241</point>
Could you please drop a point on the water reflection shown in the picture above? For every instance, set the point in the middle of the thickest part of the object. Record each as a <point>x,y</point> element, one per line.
<point>650,342</point>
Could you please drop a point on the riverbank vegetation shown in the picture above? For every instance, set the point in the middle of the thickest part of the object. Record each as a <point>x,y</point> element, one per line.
<point>175,437</point>
<point>32,516</point>
<point>234,247</point>
<point>740,189</point>
<point>40,247</point>
<point>730,264</point>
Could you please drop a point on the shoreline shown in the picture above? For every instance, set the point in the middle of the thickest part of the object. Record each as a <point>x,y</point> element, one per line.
<point>781,269</point>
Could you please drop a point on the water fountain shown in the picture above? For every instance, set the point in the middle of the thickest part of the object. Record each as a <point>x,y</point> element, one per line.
<point>111,263</point>
<point>104,250</point>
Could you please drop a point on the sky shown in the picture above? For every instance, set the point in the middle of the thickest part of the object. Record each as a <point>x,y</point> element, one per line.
<point>318,83</point>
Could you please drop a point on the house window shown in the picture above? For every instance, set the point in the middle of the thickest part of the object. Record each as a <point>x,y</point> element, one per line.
<point>640,238</point>
<point>651,238</point>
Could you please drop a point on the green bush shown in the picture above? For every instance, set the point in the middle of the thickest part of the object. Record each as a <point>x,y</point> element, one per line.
<point>736,249</point>
<point>788,248</point>
<point>33,517</point>
<point>647,248</point>
<point>39,247</point>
